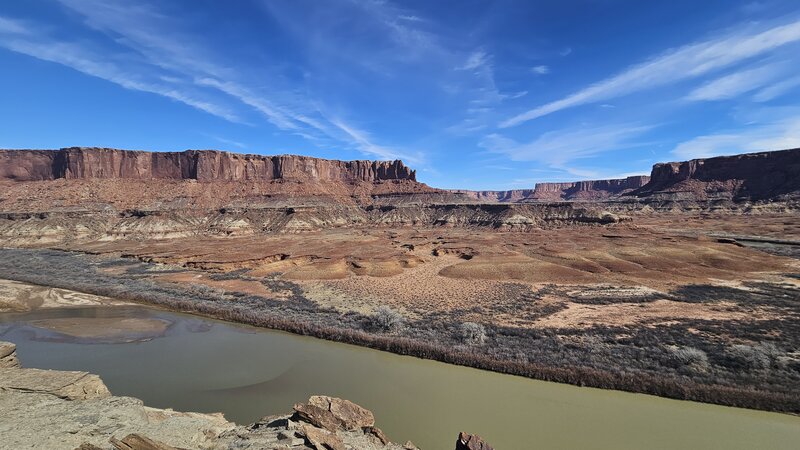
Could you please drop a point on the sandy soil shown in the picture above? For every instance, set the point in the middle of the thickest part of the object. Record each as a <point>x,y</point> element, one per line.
<point>658,312</point>
<point>126,329</point>
<point>489,275</point>
<point>415,290</point>
<point>16,296</point>
<point>197,277</point>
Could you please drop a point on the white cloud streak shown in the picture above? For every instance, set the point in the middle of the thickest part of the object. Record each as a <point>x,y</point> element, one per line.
<point>476,60</point>
<point>735,84</point>
<point>683,63</point>
<point>779,135</point>
<point>271,112</point>
<point>82,60</point>
<point>776,90</point>
<point>12,26</point>
<point>169,63</point>
<point>540,70</point>
<point>560,147</point>
<point>364,143</point>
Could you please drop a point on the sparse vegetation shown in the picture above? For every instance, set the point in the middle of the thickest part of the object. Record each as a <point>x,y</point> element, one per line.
<point>660,359</point>
<point>387,320</point>
<point>761,356</point>
<point>691,357</point>
<point>472,333</point>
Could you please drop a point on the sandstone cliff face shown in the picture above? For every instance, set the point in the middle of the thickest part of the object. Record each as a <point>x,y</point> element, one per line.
<point>201,165</point>
<point>550,192</point>
<point>589,189</point>
<point>511,196</point>
<point>754,176</point>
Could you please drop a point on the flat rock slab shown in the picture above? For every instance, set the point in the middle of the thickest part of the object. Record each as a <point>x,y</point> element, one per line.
<point>352,416</point>
<point>8,355</point>
<point>138,442</point>
<point>42,421</point>
<point>63,384</point>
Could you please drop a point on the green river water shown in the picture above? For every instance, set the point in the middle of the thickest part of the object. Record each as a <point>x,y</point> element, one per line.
<point>246,373</point>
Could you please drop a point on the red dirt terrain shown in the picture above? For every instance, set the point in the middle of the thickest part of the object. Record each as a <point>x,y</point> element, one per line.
<point>700,258</point>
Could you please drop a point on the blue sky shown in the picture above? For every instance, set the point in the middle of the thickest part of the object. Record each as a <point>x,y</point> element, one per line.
<point>474,94</point>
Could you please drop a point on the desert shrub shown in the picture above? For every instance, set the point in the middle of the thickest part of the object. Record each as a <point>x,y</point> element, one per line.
<point>756,357</point>
<point>689,357</point>
<point>386,319</point>
<point>631,359</point>
<point>472,333</point>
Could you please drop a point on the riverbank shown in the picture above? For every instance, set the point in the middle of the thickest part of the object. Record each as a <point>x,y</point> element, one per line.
<point>189,369</point>
<point>69,409</point>
<point>612,362</point>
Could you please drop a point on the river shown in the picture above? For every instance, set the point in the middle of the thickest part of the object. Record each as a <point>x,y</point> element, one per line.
<point>199,364</point>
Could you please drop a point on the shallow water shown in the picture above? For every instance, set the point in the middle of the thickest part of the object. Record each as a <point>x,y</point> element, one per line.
<point>245,372</point>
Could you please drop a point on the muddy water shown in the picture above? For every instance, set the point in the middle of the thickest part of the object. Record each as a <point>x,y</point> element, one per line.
<point>206,365</point>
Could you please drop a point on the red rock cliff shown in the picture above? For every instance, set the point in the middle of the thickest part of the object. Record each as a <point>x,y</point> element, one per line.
<point>589,189</point>
<point>511,196</point>
<point>578,190</point>
<point>753,176</point>
<point>201,165</point>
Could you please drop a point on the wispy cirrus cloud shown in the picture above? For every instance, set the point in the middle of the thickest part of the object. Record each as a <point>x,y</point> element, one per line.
<point>684,63</point>
<point>365,144</point>
<point>560,148</point>
<point>781,134</point>
<point>147,51</point>
<point>736,83</point>
<point>478,59</point>
<point>273,113</point>
<point>540,70</point>
<point>9,26</point>
<point>94,64</point>
<point>777,89</point>
<point>225,140</point>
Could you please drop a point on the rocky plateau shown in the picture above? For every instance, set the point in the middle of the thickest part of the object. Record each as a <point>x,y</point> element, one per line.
<point>682,284</point>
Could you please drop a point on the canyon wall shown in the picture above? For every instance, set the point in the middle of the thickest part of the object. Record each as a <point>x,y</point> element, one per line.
<point>588,189</point>
<point>511,196</point>
<point>555,192</point>
<point>201,165</point>
<point>753,176</point>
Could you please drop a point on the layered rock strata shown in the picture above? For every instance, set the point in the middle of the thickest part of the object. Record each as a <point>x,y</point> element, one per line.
<point>23,229</point>
<point>747,177</point>
<point>751,176</point>
<point>511,196</point>
<point>202,165</point>
<point>588,190</point>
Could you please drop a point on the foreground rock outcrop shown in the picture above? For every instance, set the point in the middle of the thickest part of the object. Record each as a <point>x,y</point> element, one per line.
<point>8,355</point>
<point>68,385</point>
<point>50,409</point>
<point>467,441</point>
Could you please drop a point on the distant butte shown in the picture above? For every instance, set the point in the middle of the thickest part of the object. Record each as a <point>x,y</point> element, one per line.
<point>750,176</point>
<point>80,177</point>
